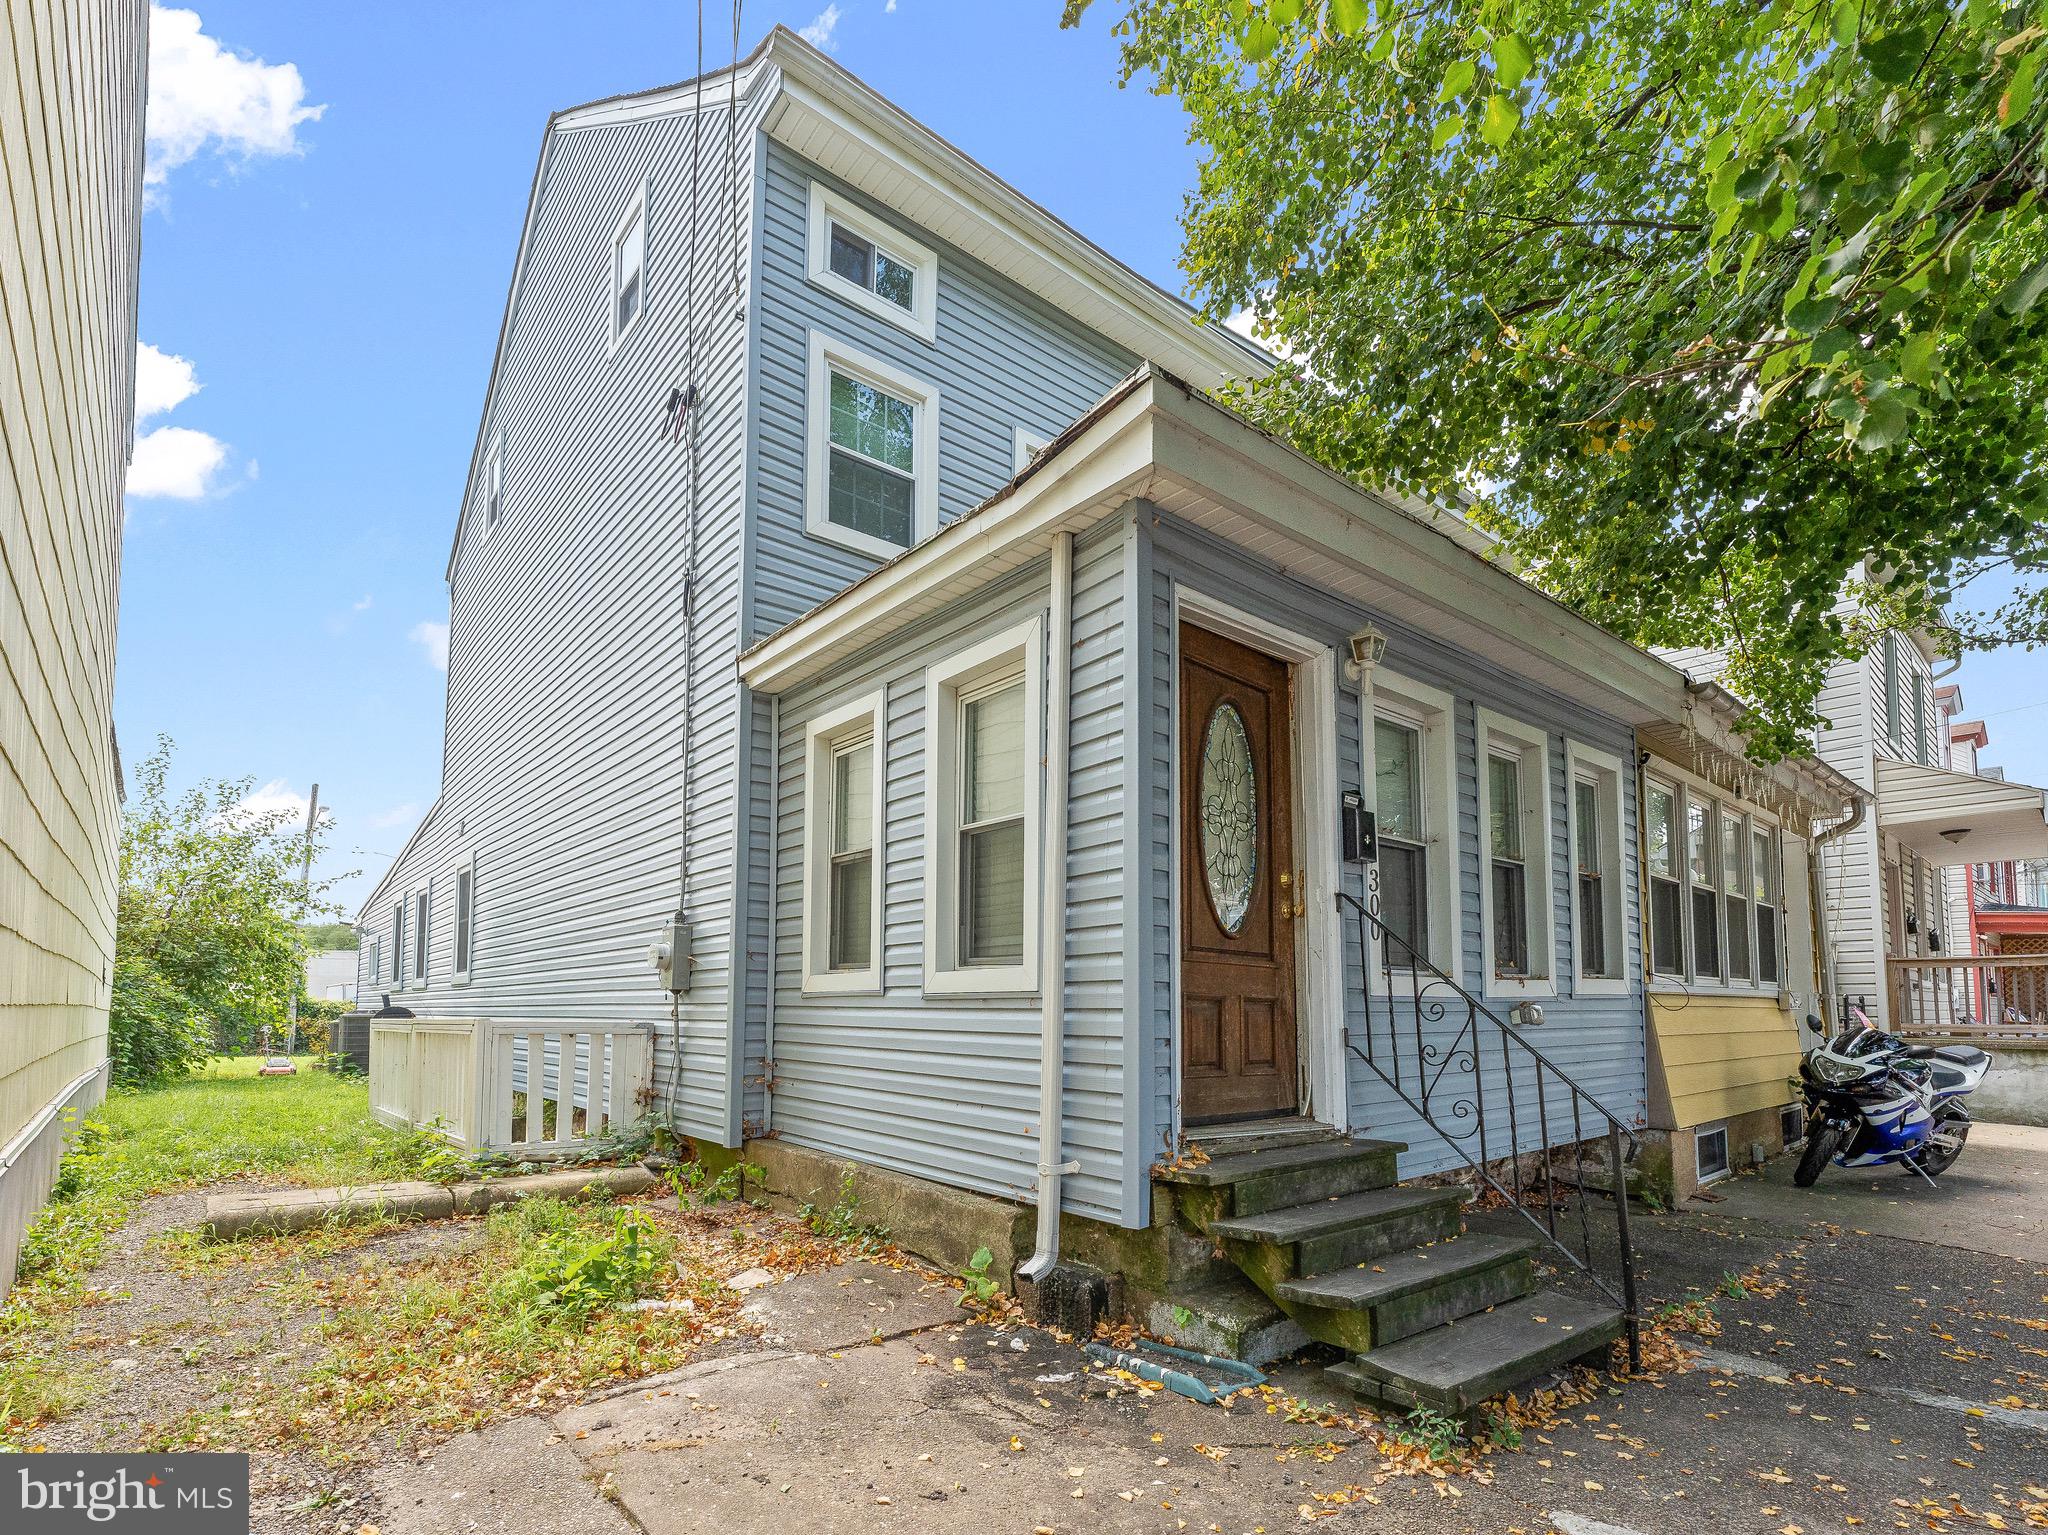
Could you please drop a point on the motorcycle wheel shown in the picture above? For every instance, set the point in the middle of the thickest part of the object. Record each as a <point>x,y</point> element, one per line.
<point>1934,1160</point>
<point>1822,1143</point>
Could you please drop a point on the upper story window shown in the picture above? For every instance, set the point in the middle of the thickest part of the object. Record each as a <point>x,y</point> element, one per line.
<point>1923,740</point>
<point>877,268</point>
<point>1892,713</point>
<point>844,847</point>
<point>872,452</point>
<point>1414,777</point>
<point>629,266</point>
<point>1598,949</point>
<point>494,483</point>
<point>984,774</point>
<point>1514,890</point>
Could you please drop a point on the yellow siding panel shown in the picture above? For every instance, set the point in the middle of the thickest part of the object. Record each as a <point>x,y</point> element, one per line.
<point>1723,1056</point>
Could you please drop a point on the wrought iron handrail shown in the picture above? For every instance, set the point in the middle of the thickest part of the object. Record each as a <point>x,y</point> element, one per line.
<point>1418,1076</point>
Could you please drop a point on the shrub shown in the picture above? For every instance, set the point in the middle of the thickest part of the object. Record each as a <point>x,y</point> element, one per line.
<point>154,1033</point>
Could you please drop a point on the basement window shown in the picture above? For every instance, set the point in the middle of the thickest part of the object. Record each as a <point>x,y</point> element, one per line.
<point>1710,1153</point>
<point>1792,1123</point>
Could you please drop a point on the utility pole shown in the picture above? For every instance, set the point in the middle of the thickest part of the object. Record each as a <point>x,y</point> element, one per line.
<point>291,1038</point>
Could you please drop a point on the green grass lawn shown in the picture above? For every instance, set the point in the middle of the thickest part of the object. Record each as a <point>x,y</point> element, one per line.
<point>226,1122</point>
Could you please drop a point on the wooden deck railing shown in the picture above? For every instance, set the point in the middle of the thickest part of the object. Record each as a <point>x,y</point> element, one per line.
<point>1990,998</point>
<point>532,1090</point>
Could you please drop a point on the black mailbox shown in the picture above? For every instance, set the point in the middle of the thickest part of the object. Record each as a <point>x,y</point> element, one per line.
<point>1361,830</point>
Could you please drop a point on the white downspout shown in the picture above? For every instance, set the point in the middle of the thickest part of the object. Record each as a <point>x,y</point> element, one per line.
<point>1052,941</point>
<point>774,874</point>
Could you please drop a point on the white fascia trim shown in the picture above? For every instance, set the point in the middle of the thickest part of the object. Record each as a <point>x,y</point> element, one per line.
<point>828,356</point>
<point>636,205</point>
<point>828,208</point>
<point>862,717</point>
<point>1531,749</point>
<point>1433,713</point>
<point>1021,649</point>
<point>1605,769</point>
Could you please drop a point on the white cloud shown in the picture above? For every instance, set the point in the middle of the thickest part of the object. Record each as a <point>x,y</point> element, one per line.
<point>272,797</point>
<point>200,94</point>
<point>397,815</point>
<point>819,32</point>
<point>175,461</point>
<point>432,636</point>
<point>162,381</point>
<point>889,9</point>
<point>362,603</point>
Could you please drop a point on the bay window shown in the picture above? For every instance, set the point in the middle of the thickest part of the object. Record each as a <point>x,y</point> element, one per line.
<point>1765,877</point>
<point>1667,898</point>
<point>1702,856</point>
<point>844,847</point>
<point>984,780</point>
<point>1735,877</point>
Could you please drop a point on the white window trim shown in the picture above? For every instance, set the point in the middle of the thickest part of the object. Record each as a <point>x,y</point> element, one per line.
<point>1604,768</point>
<point>400,910</point>
<point>374,962</point>
<point>459,975</point>
<point>1431,713</point>
<point>635,206</point>
<point>865,717</point>
<point>1699,1134</point>
<point>1530,746</point>
<point>829,356</point>
<point>1027,445</point>
<point>494,482</point>
<point>828,208</point>
<point>1020,647</point>
<point>1687,789</point>
<point>1681,877</point>
<point>420,968</point>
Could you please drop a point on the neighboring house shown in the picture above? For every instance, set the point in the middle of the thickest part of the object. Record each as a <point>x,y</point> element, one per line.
<point>858,591</point>
<point>73,211</point>
<point>331,975</point>
<point>1729,854</point>
<point>1891,882</point>
<point>2005,913</point>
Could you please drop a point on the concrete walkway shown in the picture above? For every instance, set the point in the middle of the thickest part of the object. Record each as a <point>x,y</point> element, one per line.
<point>1893,1363</point>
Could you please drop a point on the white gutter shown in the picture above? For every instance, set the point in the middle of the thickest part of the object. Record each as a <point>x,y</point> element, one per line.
<point>1052,943</point>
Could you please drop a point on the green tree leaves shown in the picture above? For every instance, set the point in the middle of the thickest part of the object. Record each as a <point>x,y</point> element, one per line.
<point>1722,304</point>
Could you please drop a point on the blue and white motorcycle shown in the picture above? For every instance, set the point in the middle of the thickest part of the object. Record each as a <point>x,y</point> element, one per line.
<point>1873,1099</point>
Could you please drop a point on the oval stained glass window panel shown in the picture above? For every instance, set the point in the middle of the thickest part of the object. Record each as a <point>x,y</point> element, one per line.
<point>1229,816</point>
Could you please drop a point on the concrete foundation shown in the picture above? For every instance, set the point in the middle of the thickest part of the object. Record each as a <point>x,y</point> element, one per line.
<point>2015,1089</point>
<point>1667,1168</point>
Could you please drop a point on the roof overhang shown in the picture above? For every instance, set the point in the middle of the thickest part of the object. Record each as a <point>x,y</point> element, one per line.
<point>1952,818</point>
<point>1156,439</point>
<point>1709,743</point>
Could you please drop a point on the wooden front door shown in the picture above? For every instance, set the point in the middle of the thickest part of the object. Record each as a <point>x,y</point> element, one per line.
<point>1238,883</point>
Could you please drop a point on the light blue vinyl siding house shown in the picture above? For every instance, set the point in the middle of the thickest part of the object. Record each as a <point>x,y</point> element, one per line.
<point>855,571</point>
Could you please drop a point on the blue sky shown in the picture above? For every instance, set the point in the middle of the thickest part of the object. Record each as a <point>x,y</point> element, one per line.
<point>336,195</point>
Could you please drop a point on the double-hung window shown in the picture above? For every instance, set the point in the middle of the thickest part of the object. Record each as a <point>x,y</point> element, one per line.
<point>1667,897</point>
<point>1600,962</point>
<point>373,963</point>
<point>984,723</point>
<point>629,267</point>
<point>1892,719</point>
<point>873,452</point>
<point>420,911</point>
<point>1702,846</point>
<point>1765,878</point>
<point>465,917</point>
<point>1415,794</point>
<point>1923,742</point>
<point>1520,941</point>
<point>494,483</point>
<point>398,942</point>
<point>1404,869</point>
<point>1735,877</point>
<point>871,265</point>
<point>845,847</point>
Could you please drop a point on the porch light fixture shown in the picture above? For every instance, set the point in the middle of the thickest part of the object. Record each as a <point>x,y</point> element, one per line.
<point>1955,834</point>
<point>1368,649</point>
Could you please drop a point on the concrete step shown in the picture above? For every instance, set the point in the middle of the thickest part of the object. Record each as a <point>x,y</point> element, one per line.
<point>1379,1302</point>
<point>1254,1182</point>
<point>1455,1367</point>
<point>1356,1228</point>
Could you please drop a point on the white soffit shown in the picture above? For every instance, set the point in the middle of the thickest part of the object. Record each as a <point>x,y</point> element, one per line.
<point>1952,818</point>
